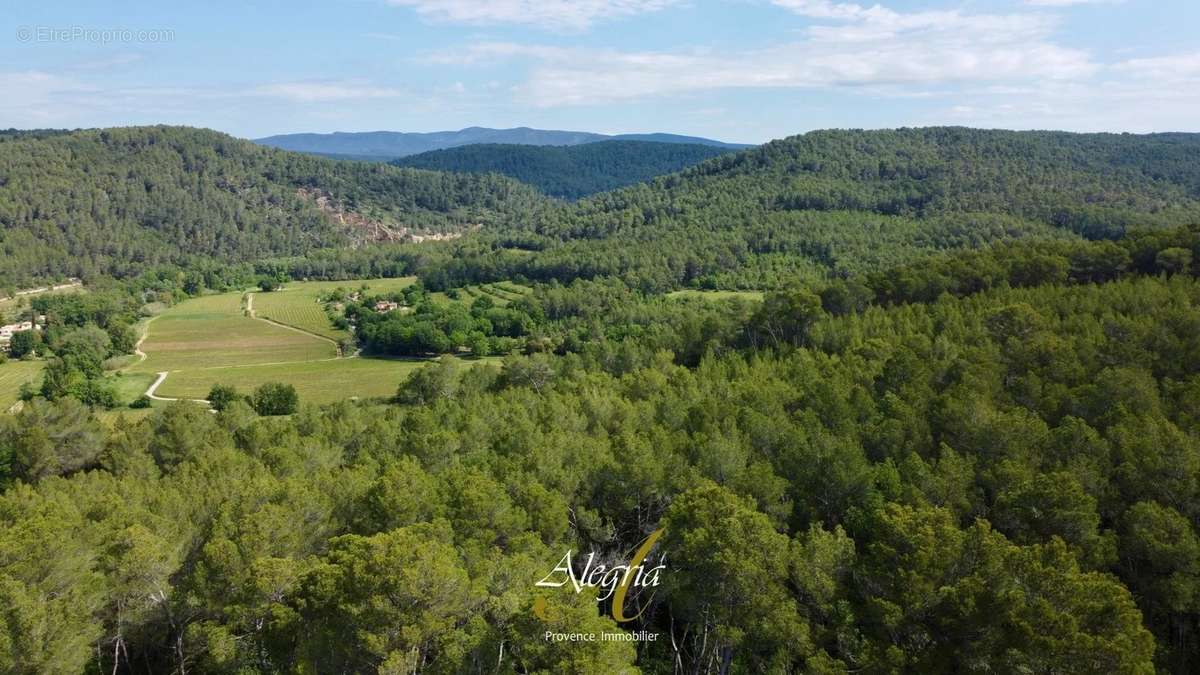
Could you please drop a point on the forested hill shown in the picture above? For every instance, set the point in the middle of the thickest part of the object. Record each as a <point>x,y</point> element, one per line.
<point>1091,183</point>
<point>115,201</point>
<point>572,171</point>
<point>853,201</point>
<point>832,202</point>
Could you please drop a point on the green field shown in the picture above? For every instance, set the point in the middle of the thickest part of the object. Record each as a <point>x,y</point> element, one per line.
<point>297,303</point>
<point>12,375</point>
<point>754,296</point>
<point>209,340</point>
<point>315,381</point>
<point>213,331</point>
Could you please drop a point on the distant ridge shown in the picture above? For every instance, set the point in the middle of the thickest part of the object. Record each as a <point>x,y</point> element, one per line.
<point>571,171</point>
<point>384,145</point>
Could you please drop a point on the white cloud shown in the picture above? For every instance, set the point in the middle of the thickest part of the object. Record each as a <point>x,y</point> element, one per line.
<point>1138,95</point>
<point>319,92</point>
<point>34,98</point>
<point>1069,3</point>
<point>851,47</point>
<point>44,99</point>
<point>570,15</point>
<point>990,69</point>
<point>823,9</point>
<point>1175,69</point>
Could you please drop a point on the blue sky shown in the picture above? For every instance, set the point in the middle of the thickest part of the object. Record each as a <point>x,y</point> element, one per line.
<point>738,70</point>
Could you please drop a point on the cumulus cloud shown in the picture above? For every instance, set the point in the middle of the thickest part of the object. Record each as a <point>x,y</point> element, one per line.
<point>551,14</point>
<point>990,69</point>
<point>850,46</point>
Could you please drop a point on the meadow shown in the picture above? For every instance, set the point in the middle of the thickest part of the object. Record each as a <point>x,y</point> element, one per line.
<point>298,304</point>
<point>315,381</point>
<point>753,296</point>
<point>13,374</point>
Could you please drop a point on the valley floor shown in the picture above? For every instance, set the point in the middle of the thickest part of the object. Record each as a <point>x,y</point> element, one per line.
<point>246,340</point>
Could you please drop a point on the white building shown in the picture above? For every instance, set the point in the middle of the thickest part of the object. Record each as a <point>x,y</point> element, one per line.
<point>6,332</point>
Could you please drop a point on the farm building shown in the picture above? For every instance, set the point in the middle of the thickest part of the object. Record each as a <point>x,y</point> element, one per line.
<point>6,332</point>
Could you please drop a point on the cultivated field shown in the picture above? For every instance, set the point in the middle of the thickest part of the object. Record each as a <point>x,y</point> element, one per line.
<point>213,331</point>
<point>210,340</point>
<point>297,303</point>
<point>12,375</point>
<point>315,381</point>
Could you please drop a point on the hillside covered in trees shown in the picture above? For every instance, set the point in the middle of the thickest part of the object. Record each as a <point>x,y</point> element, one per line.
<point>829,203</point>
<point>836,203</point>
<point>958,433</point>
<point>118,201</point>
<point>987,461</point>
<point>569,171</point>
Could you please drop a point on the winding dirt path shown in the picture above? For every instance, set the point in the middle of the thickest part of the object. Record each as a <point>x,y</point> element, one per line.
<point>159,380</point>
<point>137,348</point>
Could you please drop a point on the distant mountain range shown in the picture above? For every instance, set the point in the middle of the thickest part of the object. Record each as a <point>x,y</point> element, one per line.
<point>384,145</point>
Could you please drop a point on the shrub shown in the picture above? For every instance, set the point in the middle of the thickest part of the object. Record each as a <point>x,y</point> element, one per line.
<point>275,398</point>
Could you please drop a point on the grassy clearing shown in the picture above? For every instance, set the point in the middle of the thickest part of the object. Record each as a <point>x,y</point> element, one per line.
<point>131,385</point>
<point>511,287</point>
<point>315,382</point>
<point>298,305</point>
<point>498,296</point>
<point>13,374</point>
<point>753,296</point>
<point>213,331</point>
<point>501,293</point>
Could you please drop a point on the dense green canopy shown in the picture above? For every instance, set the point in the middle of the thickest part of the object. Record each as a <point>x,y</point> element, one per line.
<point>116,201</point>
<point>569,171</point>
<point>959,433</point>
